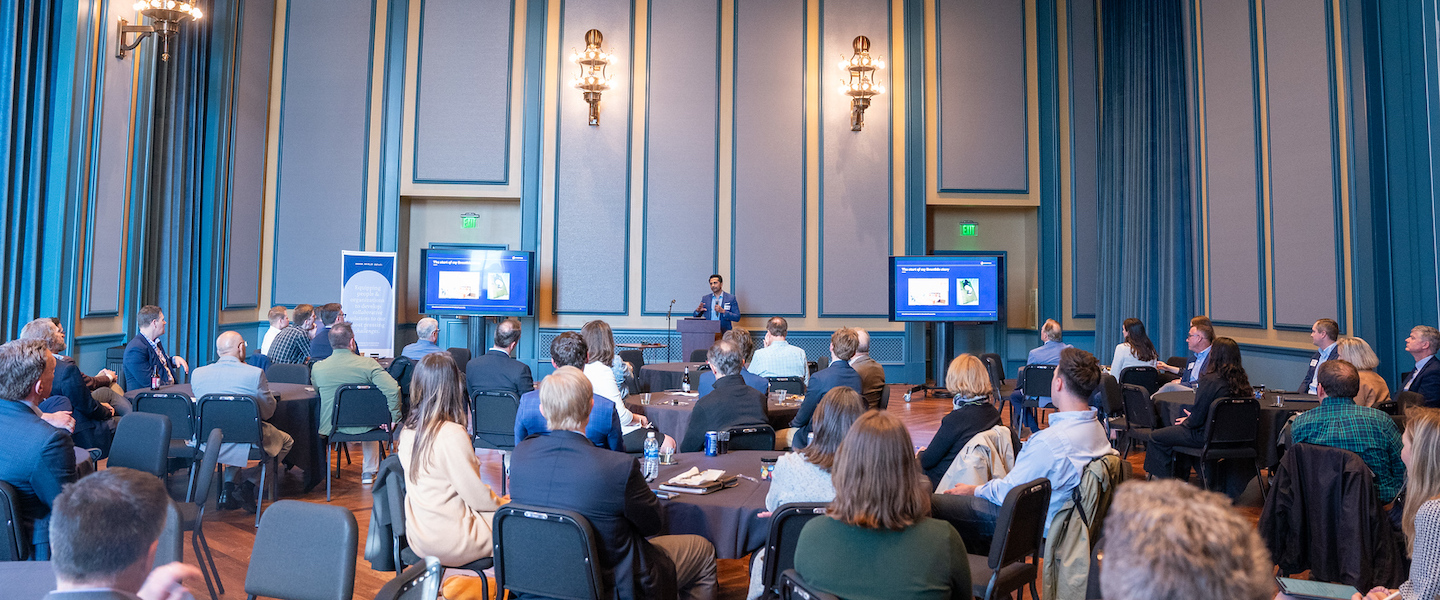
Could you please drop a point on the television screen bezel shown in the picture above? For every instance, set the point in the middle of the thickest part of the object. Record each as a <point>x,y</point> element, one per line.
<point>1000,299</point>
<point>425,281</point>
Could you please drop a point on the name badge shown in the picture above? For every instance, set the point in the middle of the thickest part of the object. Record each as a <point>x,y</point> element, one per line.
<point>1190,367</point>
<point>1314,361</point>
<point>727,306</point>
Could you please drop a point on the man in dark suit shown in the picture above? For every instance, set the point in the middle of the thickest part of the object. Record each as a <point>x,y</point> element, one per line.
<point>94,559</point>
<point>719,305</point>
<point>733,403</point>
<point>35,457</point>
<point>562,469</point>
<point>497,370</point>
<point>145,355</point>
<point>842,348</point>
<point>94,423</point>
<point>330,314</point>
<point>872,373</point>
<point>1324,333</point>
<point>1424,340</point>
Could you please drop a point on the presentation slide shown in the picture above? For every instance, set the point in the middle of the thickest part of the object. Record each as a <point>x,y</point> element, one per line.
<point>945,288</point>
<point>460,281</point>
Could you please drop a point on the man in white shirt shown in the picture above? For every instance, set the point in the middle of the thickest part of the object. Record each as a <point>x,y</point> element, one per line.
<point>278,321</point>
<point>778,358</point>
<point>1323,334</point>
<point>1059,453</point>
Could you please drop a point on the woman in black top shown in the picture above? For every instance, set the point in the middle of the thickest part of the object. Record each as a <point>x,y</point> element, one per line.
<point>1224,377</point>
<point>968,380</point>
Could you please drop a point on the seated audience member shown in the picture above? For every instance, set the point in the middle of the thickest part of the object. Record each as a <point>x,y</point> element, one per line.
<point>145,355</point>
<point>1136,351</point>
<point>230,375</point>
<point>600,344</point>
<point>278,322</point>
<point>778,358</point>
<point>329,314</point>
<point>741,338</point>
<point>497,370</point>
<point>1202,334</point>
<point>562,469</point>
<point>1059,453</point>
<point>968,380</point>
<point>877,540</point>
<point>1323,334</point>
<point>1339,423</point>
<point>842,347</point>
<point>1424,340</point>
<point>35,457</point>
<point>105,533</point>
<point>292,344</point>
<point>344,366</point>
<point>1167,539</point>
<point>448,508</point>
<point>1224,378</point>
<point>603,428</point>
<point>872,373</point>
<point>1048,353</point>
<point>1420,519</point>
<point>1373,389</point>
<point>103,386</point>
<point>94,423</point>
<point>733,403</point>
<point>428,330</point>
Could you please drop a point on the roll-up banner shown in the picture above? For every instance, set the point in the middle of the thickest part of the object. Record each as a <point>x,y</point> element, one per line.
<point>367,291</point>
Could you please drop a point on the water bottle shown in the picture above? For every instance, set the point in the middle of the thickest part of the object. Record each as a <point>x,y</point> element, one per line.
<point>651,465</point>
<point>685,381</point>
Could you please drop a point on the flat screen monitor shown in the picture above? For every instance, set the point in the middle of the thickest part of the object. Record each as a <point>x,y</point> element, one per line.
<point>472,281</point>
<point>946,288</point>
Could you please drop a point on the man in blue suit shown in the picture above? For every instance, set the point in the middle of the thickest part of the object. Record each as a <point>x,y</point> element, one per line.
<point>145,355</point>
<point>94,425</point>
<point>719,305</point>
<point>35,457</point>
<point>842,348</point>
<point>1424,340</point>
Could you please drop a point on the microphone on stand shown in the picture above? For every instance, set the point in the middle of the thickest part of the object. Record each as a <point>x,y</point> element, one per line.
<point>668,337</point>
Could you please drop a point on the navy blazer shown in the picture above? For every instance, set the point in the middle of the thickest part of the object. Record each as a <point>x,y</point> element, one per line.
<point>726,317</point>
<point>562,469</point>
<point>733,403</point>
<point>140,359</point>
<point>495,371</point>
<point>1427,382</point>
<point>38,460</point>
<point>320,348</point>
<point>838,374</point>
<point>92,419</point>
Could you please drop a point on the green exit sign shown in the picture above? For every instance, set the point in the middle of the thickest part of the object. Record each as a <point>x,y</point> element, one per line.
<point>469,220</point>
<point>969,229</point>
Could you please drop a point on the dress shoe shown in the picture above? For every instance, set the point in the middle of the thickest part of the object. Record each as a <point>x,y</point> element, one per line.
<point>245,496</point>
<point>227,500</point>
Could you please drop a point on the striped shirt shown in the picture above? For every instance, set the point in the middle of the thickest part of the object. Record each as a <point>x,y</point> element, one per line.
<point>779,359</point>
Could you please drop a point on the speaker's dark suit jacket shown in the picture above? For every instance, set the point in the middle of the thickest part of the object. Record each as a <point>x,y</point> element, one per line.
<point>1427,382</point>
<point>38,460</point>
<point>838,374</point>
<point>562,469</point>
<point>732,403</point>
<point>496,371</point>
<point>140,359</point>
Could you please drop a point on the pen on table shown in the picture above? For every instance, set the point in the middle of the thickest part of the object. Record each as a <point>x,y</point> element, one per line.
<point>1394,596</point>
<point>758,481</point>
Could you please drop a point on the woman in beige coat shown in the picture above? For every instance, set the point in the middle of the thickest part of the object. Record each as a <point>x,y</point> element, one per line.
<point>1373,389</point>
<point>448,508</point>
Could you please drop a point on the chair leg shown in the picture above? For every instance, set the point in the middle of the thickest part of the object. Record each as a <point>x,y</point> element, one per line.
<point>260,495</point>
<point>329,450</point>
<point>200,560</point>
<point>205,543</point>
<point>190,489</point>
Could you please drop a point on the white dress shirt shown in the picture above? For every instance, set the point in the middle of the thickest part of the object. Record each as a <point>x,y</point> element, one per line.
<point>1060,453</point>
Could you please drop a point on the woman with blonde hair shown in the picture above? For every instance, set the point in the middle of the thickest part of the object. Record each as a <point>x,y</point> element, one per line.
<point>1421,517</point>
<point>969,382</point>
<point>881,517</point>
<point>1373,389</point>
<point>448,508</point>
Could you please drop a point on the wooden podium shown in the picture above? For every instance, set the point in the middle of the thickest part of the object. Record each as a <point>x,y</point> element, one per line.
<point>696,334</point>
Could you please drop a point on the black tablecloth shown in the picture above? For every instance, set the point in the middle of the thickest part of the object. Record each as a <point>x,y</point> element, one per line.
<point>1272,420</point>
<point>29,580</point>
<point>659,377</point>
<point>727,517</point>
<point>298,414</point>
<point>674,419</point>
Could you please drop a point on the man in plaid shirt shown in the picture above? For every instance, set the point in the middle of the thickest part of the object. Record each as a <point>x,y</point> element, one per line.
<point>1339,423</point>
<point>292,344</point>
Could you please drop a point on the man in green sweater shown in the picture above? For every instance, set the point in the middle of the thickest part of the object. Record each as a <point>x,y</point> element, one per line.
<point>347,366</point>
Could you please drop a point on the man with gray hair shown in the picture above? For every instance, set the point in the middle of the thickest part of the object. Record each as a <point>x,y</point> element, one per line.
<point>733,403</point>
<point>1424,340</point>
<point>92,422</point>
<point>1167,539</point>
<point>35,457</point>
<point>230,375</point>
<point>428,330</point>
<point>872,373</point>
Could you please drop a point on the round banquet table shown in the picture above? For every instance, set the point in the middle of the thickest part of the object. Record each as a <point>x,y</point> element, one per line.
<point>1169,406</point>
<point>727,517</point>
<point>297,413</point>
<point>674,419</point>
<point>659,377</point>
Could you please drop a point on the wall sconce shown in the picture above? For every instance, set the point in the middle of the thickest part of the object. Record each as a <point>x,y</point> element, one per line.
<point>592,78</point>
<point>165,17</point>
<point>861,86</point>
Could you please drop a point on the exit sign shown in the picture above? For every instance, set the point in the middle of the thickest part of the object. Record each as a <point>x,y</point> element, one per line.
<point>969,229</point>
<point>469,220</point>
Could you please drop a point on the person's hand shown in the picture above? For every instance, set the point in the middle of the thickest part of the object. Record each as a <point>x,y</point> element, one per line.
<point>180,362</point>
<point>1182,419</point>
<point>961,489</point>
<point>503,499</point>
<point>109,410</point>
<point>919,451</point>
<point>640,419</point>
<point>701,308</point>
<point>107,374</point>
<point>764,514</point>
<point>1379,593</point>
<point>170,582</point>
<point>667,444</point>
<point>60,420</point>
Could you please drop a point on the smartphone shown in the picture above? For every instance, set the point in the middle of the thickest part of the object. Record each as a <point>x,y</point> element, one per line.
<point>664,495</point>
<point>1315,590</point>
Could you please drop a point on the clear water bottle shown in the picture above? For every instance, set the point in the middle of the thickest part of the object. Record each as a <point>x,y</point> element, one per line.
<point>650,466</point>
<point>685,381</point>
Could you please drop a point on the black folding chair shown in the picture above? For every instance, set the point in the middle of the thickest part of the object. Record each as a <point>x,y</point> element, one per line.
<point>419,582</point>
<point>1408,399</point>
<point>785,526</point>
<point>1019,533</point>
<point>1230,433</point>
<point>180,409</point>
<point>791,385</point>
<point>1389,407</point>
<point>1146,377</point>
<point>238,415</point>
<point>698,354</point>
<point>142,442</point>
<point>401,370</point>
<point>995,367</point>
<point>356,405</point>
<point>822,362</point>
<point>492,415</point>
<point>392,501</point>
<point>792,587</point>
<point>885,398</point>
<point>192,514</point>
<point>1037,385</point>
<point>546,552</point>
<point>14,541</point>
<point>288,373</point>
<point>635,357</point>
<point>1140,420</point>
<point>304,551</point>
<point>752,437</point>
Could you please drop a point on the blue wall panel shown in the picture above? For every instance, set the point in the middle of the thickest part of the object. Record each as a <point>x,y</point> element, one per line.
<point>980,62</point>
<point>856,169</point>
<point>462,120</point>
<point>681,151</point>
<point>592,183</point>
<point>768,244</point>
<point>1084,156</point>
<point>247,185</point>
<point>106,247</point>
<point>324,135</point>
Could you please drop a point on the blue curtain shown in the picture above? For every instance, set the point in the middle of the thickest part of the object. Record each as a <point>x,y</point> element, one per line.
<point>1146,267</point>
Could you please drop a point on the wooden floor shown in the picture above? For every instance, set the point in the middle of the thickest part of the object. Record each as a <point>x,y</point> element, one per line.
<point>231,533</point>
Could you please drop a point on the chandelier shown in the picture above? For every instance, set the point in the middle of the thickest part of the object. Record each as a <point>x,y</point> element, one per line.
<point>861,86</point>
<point>165,18</point>
<point>592,79</point>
